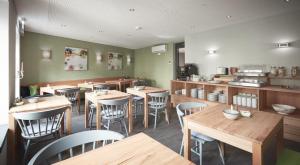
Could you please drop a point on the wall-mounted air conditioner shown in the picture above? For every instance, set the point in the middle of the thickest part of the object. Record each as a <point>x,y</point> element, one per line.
<point>159,49</point>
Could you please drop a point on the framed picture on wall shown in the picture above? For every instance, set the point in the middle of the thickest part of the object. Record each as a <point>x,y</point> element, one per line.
<point>114,61</point>
<point>76,59</point>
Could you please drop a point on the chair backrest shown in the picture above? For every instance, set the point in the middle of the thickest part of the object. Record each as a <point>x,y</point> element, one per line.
<point>158,100</point>
<point>188,108</point>
<point>70,93</point>
<point>101,87</point>
<point>41,123</point>
<point>139,83</point>
<point>71,143</point>
<point>114,108</point>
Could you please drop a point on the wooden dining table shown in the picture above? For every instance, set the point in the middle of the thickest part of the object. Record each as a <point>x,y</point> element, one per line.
<point>144,93</point>
<point>90,85</point>
<point>44,103</point>
<point>121,82</point>
<point>136,149</point>
<point>53,89</point>
<point>252,134</point>
<point>112,94</point>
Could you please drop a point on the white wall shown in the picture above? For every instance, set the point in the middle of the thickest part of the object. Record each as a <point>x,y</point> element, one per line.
<point>4,61</point>
<point>247,43</point>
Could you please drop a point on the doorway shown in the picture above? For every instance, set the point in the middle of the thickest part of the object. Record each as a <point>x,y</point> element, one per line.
<point>179,58</point>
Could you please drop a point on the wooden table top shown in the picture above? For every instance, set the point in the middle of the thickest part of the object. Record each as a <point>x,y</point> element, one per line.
<point>119,81</point>
<point>255,129</point>
<point>42,104</point>
<point>112,94</point>
<point>137,149</point>
<point>56,87</point>
<point>146,90</point>
<point>89,84</point>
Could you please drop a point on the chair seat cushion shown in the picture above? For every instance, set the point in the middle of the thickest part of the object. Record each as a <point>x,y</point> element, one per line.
<point>42,128</point>
<point>200,136</point>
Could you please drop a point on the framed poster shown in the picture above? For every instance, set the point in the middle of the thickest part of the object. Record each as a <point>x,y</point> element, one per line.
<point>75,59</point>
<point>114,61</point>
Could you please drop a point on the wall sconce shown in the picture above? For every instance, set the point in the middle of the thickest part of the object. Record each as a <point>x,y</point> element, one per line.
<point>128,59</point>
<point>46,54</point>
<point>283,45</point>
<point>98,57</point>
<point>212,51</point>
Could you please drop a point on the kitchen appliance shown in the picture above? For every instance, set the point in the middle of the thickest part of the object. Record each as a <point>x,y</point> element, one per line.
<point>222,71</point>
<point>251,76</point>
<point>186,71</point>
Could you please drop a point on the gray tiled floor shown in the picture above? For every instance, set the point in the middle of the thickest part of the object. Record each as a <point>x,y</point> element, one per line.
<point>171,135</point>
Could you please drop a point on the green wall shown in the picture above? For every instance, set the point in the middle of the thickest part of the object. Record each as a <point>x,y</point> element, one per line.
<point>157,68</point>
<point>38,70</point>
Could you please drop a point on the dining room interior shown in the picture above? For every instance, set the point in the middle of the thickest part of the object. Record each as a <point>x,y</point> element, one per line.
<point>206,82</point>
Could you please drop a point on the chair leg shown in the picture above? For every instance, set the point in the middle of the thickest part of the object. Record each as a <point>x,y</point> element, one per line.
<point>108,124</point>
<point>200,153</point>
<point>167,115</point>
<point>91,118</point>
<point>181,147</point>
<point>221,150</point>
<point>155,119</point>
<point>124,123</point>
<point>26,151</point>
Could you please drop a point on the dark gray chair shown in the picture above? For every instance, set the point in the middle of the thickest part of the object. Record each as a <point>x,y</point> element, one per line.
<point>35,125</point>
<point>101,87</point>
<point>188,108</point>
<point>69,143</point>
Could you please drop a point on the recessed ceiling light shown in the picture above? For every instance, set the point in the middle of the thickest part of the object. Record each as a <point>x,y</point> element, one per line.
<point>229,16</point>
<point>63,25</point>
<point>100,31</point>
<point>131,9</point>
<point>138,28</point>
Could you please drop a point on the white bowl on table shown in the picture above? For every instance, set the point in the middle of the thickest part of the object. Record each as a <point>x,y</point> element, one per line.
<point>231,114</point>
<point>33,100</point>
<point>283,109</point>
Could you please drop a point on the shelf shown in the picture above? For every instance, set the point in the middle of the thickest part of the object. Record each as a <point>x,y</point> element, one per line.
<point>294,115</point>
<point>280,89</point>
<point>285,77</point>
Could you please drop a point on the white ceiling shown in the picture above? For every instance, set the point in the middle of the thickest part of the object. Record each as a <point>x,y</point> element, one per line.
<point>111,22</point>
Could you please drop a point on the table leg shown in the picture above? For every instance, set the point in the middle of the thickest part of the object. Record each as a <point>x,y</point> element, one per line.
<point>98,117</point>
<point>279,138</point>
<point>69,120</point>
<point>167,113</point>
<point>257,154</point>
<point>187,141</point>
<point>78,103</point>
<point>86,112</point>
<point>146,111</point>
<point>120,86</point>
<point>11,140</point>
<point>130,125</point>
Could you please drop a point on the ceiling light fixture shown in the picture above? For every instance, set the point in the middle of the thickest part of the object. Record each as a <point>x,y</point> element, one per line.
<point>229,16</point>
<point>138,28</point>
<point>131,9</point>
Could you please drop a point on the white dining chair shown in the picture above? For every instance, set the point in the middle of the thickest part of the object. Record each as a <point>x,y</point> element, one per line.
<point>36,125</point>
<point>114,110</point>
<point>101,87</point>
<point>188,108</point>
<point>65,147</point>
<point>157,103</point>
<point>72,94</point>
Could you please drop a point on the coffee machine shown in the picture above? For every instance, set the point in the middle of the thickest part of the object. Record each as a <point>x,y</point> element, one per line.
<point>186,71</point>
